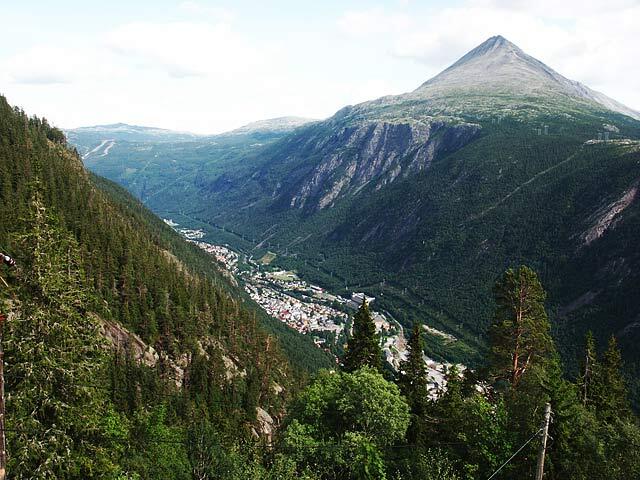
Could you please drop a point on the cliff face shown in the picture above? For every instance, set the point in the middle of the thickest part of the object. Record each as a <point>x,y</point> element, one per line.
<point>371,154</point>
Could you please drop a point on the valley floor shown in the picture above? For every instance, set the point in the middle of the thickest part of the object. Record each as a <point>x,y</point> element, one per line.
<point>311,310</point>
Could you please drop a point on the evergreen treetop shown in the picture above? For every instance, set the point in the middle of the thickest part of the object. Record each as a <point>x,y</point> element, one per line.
<point>414,381</point>
<point>363,348</point>
<point>520,332</point>
<point>610,397</point>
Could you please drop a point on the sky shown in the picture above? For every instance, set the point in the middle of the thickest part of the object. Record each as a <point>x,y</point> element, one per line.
<point>211,66</point>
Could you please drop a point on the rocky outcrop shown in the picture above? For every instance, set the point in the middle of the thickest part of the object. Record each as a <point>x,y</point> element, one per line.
<point>606,217</point>
<point>374,154</point>
<point>265,425</point>
<point>585,299</point>
<point>122,339</point>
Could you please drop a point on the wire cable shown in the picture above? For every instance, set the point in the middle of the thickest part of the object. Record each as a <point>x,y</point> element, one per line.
<point>517,452</point>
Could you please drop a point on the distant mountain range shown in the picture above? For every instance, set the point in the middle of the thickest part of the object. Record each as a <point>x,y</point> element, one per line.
<point>87,139</point>
<point>272,125</point>
<point>422,199</point>
<point>97,140</point>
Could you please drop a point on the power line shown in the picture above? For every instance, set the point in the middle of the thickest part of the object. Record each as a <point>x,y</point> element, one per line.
<point>513,456</point>
<point>110,439</point>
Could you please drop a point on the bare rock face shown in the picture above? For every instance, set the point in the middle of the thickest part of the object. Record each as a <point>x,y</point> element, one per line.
<point>374,143</point>
<point>376,154</point>
<point>265,425</point>
<point>605,218</point>
<point>497,66</point>
<point>122,339</point>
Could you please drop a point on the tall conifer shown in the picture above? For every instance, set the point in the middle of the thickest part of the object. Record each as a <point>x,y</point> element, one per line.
<point>55,404</point>
<point>413,373</point>
<point>414,385</point>
<point>520,332</point>
<point>363,348</point>
<point>610,398</point>
<point>589,368</point>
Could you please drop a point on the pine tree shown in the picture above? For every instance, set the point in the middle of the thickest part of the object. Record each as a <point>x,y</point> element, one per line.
<point>520,332</point>
<point>363,348</point>
<point>523,359</point>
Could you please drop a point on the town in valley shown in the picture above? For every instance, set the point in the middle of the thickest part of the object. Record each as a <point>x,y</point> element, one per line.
<point>310,309</point>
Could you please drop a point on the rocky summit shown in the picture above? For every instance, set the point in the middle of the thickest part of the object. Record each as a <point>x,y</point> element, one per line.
<point>498,67</point>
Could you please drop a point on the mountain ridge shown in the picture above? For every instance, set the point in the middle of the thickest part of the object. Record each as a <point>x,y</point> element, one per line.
<point>421,201</point>
<point>276,124</point>
<point>498,65</point>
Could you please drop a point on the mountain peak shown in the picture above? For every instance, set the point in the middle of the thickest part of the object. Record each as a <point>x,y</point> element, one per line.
<point>492,45</point>
<point>495,64</point>
<point>274,125</point>
<point>498,67</point>
<point>497,39</point>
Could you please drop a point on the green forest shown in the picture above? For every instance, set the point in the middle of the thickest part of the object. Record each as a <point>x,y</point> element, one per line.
<point>359,423</point>
<point>120,339</point>
<point>428,246</point>
<point>531,186</point>
<point>127,355</point>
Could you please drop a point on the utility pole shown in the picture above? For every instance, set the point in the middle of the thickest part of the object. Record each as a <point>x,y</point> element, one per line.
<point>587,374</point>
<point>543,443</point>
<point>3,441</point>
<point>10,262</point>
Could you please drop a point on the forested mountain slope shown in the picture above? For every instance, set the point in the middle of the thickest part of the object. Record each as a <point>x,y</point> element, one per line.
<point>155,164</point>
<point>422,199</point>
<point>93,265</point>
<point>429,246</point>
<point>423,202</point>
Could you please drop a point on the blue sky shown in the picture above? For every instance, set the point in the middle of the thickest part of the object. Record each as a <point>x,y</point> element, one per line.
<point>210,66</point>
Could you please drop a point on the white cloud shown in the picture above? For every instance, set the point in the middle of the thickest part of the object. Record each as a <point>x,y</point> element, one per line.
<point>50,65</point>
<point>185,49</point>
<point>451,32</point>
<point>213,12</point>
<point>590,41</point>
<point>373,21</point>
<point>554,9</point>
<point>202,68</point>
<point>39,66</point>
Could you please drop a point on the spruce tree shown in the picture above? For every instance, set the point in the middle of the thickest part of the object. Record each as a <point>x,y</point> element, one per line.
<point>56,407</point>
<point>414,385</point>
<point>450,404</point>
<point>589,367</point>
<point>413,373</point>
<point>363,348</point>
<point>610,399</point>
